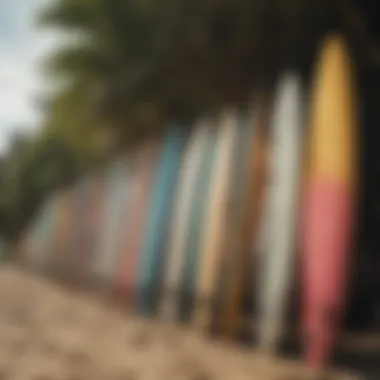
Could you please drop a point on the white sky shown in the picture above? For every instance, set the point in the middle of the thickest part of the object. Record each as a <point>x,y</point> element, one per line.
<point>22,45</point>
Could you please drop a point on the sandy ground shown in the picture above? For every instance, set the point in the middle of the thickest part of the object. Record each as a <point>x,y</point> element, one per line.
<point>48,333</point>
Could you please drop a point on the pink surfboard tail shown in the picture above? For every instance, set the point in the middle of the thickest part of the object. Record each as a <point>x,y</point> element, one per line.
<point>327,237</point>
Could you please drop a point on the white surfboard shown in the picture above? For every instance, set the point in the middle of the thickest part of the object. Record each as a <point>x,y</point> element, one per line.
<point>279,249</point>
<point>216,221</point>
<point>176,258</point>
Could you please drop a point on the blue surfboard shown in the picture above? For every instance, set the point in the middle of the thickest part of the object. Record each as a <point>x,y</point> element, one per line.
<point>159,217</point>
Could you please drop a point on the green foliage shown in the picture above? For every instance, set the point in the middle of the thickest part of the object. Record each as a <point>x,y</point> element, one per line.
<point>146,62</point>
<point>32,170</point>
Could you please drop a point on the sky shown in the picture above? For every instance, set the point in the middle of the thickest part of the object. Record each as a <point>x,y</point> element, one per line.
<point>22,47</point>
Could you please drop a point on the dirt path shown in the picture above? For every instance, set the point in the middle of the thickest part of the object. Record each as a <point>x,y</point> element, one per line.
<point>47,333</point>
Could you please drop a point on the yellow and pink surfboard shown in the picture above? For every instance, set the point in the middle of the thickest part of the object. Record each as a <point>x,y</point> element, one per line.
<point>329,200</point>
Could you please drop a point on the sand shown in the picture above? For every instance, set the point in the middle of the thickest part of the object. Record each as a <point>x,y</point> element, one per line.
<point>50,333</point>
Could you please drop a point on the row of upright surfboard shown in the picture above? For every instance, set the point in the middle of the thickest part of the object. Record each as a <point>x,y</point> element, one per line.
<point>191,226</point>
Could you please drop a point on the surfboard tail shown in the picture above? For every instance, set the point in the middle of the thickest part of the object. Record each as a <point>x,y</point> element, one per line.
<point>325,267</point>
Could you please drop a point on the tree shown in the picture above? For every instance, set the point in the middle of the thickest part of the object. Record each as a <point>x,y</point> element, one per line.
<point>33,169</point>
<point>141,63</point>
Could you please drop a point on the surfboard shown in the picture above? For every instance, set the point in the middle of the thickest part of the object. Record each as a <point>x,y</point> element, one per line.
<point>64,228</point>
<point>197,224</point>
<point>279,258</point>
<point>50,260</point>
<point>239,312</point>
<point>191,161</point>
<point>87,207</point>
<point>135,229</point>
<point>235,211</point>
<point>160,213</point>
<point>32,240</point>
<point>36,238</point>
<point>50,233</point>
<point>255,225</point>
<point>213,243</point>
<point>80,203</point>
<point>44,234</point>
<point>330,200</point>
<point>23,249</point>
<point>243,262</point>
<point>108,250</point>
<point>95,214</point>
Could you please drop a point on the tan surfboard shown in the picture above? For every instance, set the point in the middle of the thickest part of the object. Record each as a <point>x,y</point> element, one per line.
<point>215,223</point>
<point>243,240</point>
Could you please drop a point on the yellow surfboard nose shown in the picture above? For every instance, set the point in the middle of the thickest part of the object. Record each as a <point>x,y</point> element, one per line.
<point>333,114</point>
